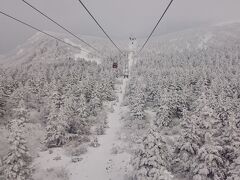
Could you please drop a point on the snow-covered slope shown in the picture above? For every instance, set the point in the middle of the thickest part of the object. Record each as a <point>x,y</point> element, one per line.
<point>1,58</point>
<point>37,48</point>
<point>41,48</point>
<point>192,39</point>
<point>84,54</point>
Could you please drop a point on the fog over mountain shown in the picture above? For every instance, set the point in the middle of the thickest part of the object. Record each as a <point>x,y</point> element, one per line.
<point>119,18</point>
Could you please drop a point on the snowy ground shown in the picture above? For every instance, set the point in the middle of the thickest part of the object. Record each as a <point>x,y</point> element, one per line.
<point>107,161</point>
<point>130,62</point>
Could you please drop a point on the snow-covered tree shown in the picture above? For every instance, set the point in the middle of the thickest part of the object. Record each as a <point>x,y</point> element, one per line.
<point>17,162</point>
<point>170,108</point>
<point>3,95</point>
<point>137,105</point>
<point>94,104</point>
<point>57,96</point>
<point>229,139</point>
<point>187,145</point>
<point>209,163</point>
<point>234,170</point>
<point>21,111</point>
<point>151,160</point>
<point>76,115</point>
<point>3,100</point>
<point>56,129</point>
<point>83,107</point>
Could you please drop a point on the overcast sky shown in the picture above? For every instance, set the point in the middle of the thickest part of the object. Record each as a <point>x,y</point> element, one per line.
<point>120,18</point>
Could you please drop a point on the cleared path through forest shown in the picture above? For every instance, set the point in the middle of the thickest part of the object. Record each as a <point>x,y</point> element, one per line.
<point>101,163</point>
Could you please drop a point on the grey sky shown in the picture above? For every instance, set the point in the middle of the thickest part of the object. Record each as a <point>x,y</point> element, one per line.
<point>120,18</point>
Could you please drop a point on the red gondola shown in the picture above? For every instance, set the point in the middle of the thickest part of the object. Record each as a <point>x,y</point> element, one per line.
<point>115,65</point>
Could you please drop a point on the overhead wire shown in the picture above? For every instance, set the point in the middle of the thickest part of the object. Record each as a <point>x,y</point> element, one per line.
<point>39,30</point>
<point>155,27</point>
<point>84,6</point>
<point>62,27</point>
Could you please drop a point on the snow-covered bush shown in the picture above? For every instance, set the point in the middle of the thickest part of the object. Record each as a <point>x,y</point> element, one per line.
<point>100,130</point>
<point>78,151</point>
<point>94,142</point>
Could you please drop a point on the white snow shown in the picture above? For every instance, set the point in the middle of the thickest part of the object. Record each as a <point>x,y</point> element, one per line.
<point>226,23</point>
<point>101,163</point>
<point>205,40</point>
<point>46,160</point>
<point>20,51</point>
<point>84,53</point>
<point>130,60</point>
<point>48,167</point>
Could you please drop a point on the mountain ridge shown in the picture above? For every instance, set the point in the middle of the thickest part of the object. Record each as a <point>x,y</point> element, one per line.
<point>35,47</point>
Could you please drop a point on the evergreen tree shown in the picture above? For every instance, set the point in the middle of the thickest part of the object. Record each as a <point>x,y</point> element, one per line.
<point>137,105</point>
<point>209,163</point>
<point>187,145</point>
<point>151,161</point>
<point>82,117</point>
<point>57,96</point>
<point>83,111</point>
<point>234,170</point>
<point>229,139</point>
<point>70,110</point>
<point>171,109</point>
<point>56,129</point>
<point>17,162</point>
<point>21,111</point>
<point>94,104</point>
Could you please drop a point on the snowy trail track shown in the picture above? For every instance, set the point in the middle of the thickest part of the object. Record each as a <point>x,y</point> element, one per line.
<point>100,163</point>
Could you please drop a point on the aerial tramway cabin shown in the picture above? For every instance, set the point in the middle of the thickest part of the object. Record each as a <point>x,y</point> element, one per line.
<point>115,65</point>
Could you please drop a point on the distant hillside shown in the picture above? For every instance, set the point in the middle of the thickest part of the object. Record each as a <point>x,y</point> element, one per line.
<point>192,39</point>
<point>41,48</point>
